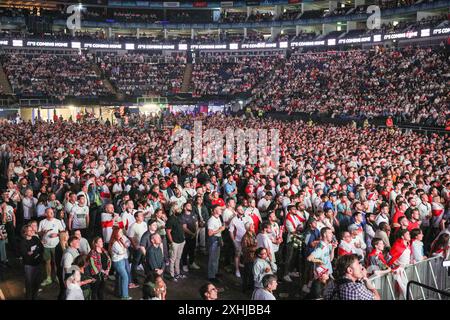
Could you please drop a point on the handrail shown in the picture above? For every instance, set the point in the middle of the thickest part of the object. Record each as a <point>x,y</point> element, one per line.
<point>445,293</point>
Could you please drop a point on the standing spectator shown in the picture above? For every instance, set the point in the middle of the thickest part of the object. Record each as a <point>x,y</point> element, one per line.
<point>161,220</point>
<point>253,213</point>
<point>49,230</point>
<point>262,266</point>
<point>384,233</point>
<point>118,248</point>
<point>31,250</point>
<point>9,221</point>
<point>135,233</point>
<point>237,231</point>
<point>155,257</point>
<point>202,214</point>
<point>249,246</point>
<point>59,253</point>
<point>85,248</point>
<point>69,255</point>
<point>100,264</point>
<point>175,235</point>
<point>110,219</point>
<point>215,229</point>
<point>417,245</point>
<point>400,257</point>
<point>29,204</point>
<point>376,261</point>
<point>294,225</point>
<point>323,254</point>
<point>190,227</point>
<point>79,216</point>
<point>264,240</point>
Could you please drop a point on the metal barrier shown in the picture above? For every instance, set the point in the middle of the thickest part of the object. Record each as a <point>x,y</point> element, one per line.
<point>429,272</point>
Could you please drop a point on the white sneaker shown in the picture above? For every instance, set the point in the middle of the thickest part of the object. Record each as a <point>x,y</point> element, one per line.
<point>294,274</point>
<point>305,289</point>
<point>194,266</point>
<point>238,274</point>
<point>185,269</point>
<point>287,278</point>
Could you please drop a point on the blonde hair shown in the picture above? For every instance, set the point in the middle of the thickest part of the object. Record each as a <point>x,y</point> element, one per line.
<point>64,239</point>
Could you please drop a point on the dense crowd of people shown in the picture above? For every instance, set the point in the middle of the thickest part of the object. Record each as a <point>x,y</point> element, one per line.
<point>227,74</point>
<point>363,83</point>
<point>345,203</point>
<point>137,74</point>
<point>356,83</point>
<point>55,75</point>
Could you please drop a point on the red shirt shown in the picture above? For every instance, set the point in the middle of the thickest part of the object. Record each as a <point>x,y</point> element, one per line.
<point>397,215</point>
<point>413,225</point>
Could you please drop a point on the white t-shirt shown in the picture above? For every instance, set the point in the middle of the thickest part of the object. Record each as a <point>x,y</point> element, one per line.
<point>136,230</point>
<point>405,258</point>
<point>263,241</point>
<point>79,215</point>
<point>237,226</point>
<point>68,207</point>
<point>54,226</point>
<point>227,216</point>
<point>214,224</point>
<point>417,251</point>
<point>128,218</point>
<point>119,252</point>
<point>381,218</point>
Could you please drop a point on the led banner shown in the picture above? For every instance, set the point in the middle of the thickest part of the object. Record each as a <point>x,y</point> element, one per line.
<point>47,44</point>
<point>260,45</point>
<point>155,47</point>
<point>403,35</point>
<point>441,31</point>
<point>354,40</point>
<point>102,46</point>
<point>308,43</point>
<point>208,46</point>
